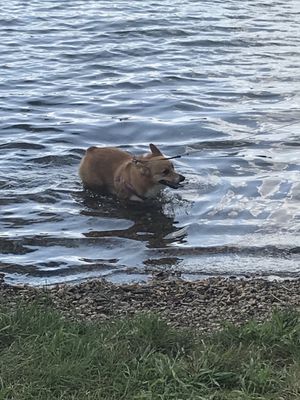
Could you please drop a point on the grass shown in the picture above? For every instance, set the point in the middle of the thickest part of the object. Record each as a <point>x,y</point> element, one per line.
<point>42,356</point>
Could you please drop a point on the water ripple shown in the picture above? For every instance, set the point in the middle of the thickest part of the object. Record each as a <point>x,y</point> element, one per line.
<point>217,82</point>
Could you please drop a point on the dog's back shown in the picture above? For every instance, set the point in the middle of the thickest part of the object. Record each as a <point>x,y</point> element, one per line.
<point>98,166</point>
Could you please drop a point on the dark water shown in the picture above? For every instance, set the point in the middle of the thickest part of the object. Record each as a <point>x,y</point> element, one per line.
<point>220,80</point>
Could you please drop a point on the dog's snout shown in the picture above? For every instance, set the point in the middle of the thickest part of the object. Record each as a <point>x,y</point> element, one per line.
<point>181,178</point>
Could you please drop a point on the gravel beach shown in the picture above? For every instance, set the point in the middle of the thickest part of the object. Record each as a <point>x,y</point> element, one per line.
<point>205,304</point>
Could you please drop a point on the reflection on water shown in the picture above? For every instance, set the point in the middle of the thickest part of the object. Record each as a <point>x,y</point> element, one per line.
<point>217,82</point>
<point>146,222</point>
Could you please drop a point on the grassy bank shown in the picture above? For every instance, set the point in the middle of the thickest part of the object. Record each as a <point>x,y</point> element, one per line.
<point>43,356</point>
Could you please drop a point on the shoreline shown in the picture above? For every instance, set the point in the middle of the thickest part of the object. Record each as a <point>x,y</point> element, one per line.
<point>203,304</point>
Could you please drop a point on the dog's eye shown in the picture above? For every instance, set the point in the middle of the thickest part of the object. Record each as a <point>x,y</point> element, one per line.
<point>166,171</point>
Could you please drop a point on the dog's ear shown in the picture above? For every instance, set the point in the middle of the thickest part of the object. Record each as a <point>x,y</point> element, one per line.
<point>154,150</point>
<point>140,165</point>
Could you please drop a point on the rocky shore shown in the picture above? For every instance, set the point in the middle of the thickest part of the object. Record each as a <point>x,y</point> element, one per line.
<point>204,305</point>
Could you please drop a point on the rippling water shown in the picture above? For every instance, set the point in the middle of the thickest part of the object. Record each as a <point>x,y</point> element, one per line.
<point>218,80</point>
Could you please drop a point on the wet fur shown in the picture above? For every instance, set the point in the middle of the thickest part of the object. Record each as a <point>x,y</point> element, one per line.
<point>115,171</point>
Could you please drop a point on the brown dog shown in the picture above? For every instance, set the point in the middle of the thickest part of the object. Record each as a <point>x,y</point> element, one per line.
<point>132,178</point>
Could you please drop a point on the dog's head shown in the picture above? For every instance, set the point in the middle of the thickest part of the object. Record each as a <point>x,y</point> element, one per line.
<point>159,168</point>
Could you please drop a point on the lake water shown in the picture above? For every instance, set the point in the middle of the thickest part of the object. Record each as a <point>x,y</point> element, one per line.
<point>218,80</point>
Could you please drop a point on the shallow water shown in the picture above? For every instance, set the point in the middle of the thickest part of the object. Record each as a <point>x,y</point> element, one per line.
<point>217,80</point>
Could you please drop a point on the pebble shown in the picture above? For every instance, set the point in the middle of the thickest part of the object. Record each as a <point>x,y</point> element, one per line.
<point>204,305</point>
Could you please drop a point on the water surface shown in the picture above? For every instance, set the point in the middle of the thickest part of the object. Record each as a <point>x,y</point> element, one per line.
<point>218,80</point>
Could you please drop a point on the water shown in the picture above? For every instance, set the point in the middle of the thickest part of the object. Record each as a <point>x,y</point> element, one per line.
<point>220,80</point>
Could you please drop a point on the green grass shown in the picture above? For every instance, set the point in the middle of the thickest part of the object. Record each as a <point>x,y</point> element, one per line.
<point>42,356</point>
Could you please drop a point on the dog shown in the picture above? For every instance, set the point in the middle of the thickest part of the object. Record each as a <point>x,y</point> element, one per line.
<point>114,171</point>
